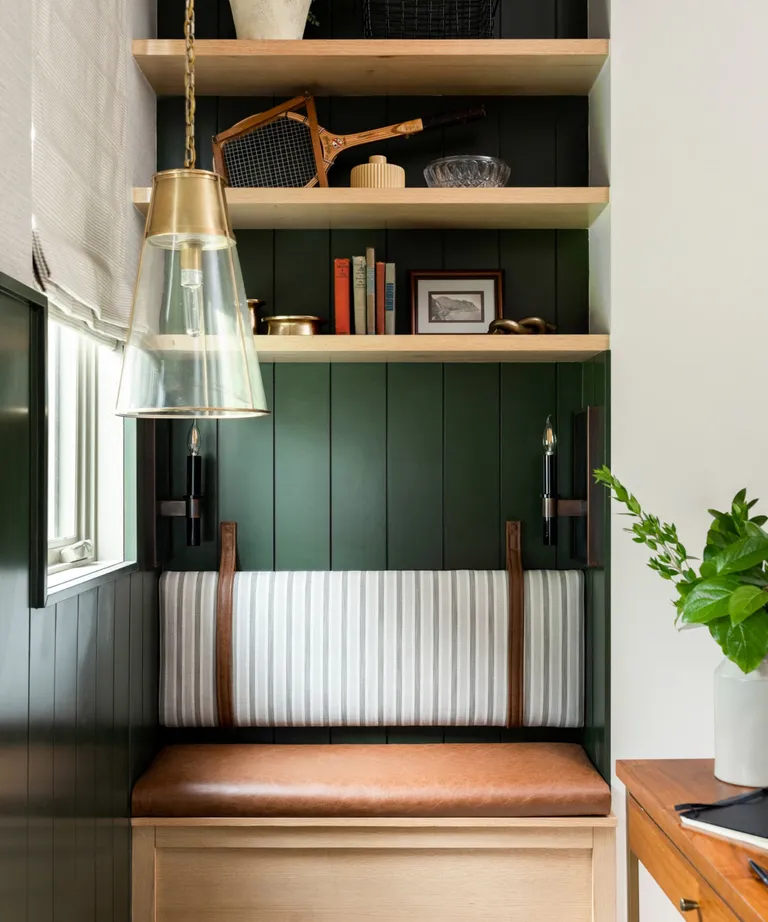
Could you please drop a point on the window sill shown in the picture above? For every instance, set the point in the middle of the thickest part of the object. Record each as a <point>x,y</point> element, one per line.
<point>67,583</point>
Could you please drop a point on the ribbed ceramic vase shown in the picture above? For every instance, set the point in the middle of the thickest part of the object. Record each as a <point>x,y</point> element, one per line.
<point>268,19</point>
<point>741,725</point>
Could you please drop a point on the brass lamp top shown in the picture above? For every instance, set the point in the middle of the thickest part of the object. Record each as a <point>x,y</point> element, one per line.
<point>189,202</point>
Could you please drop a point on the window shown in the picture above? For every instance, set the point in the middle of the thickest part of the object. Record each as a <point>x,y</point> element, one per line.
<point>85,452</point>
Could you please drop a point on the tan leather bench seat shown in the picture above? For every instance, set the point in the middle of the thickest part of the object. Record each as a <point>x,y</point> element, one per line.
<point>451,780</point>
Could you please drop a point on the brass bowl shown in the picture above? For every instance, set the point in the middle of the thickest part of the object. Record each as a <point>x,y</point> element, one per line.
<point>298,325</point>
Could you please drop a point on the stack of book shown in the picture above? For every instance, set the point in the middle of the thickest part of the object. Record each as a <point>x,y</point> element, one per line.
<point>364,295</point>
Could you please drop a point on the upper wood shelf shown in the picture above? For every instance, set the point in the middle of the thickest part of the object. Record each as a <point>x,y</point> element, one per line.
<point>497,67</point>
<point>553,208</point>
<point>410,348</point>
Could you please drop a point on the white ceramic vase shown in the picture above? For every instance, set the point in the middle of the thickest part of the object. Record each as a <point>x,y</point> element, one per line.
<point>741,725</point>
<point>270,18</point>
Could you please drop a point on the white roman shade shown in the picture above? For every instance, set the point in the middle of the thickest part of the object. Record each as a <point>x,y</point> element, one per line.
<point>88,132</point>
<point>15,127</point>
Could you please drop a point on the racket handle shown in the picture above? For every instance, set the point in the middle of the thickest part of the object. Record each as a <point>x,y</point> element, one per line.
<point>453,118</point>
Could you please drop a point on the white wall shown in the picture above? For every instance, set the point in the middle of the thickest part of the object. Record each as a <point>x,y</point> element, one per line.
<point>689,323</point>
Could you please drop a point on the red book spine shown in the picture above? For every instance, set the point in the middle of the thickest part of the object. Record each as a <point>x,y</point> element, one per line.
<point>380,296</point>
<point>341,295</point>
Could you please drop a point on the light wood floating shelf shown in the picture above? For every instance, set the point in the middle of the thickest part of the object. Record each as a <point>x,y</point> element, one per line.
<point>430,348</point>
<point>544,208</point>
<point>503,67</point>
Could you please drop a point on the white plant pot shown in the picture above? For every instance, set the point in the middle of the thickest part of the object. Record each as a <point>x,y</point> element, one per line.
<point>741,725</point>
<point>270,18</point>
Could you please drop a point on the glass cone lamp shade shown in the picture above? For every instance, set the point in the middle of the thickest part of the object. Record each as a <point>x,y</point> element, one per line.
<point>190,350</point>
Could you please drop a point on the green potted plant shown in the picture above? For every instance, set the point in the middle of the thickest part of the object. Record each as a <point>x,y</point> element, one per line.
<point>726,591</point>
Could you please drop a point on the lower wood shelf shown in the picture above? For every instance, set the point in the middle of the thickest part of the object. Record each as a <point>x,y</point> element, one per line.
<point>431,348</point>
<point>550,208</point>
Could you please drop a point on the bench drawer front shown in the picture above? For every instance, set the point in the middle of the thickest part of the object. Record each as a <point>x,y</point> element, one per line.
<point>377,873</point>
<point>671,870</point>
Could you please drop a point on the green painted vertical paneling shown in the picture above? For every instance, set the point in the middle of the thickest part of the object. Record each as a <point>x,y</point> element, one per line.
<point>121,759</point>
<point>572,281</point>
<point>64,764</point>
<point>247,481</point>
<point>415,467</point>
<point>302,273</point>
<point>85,756</point>
<point>397,735</point>
<point>597,740</point>
<point>358,467</point>
<point>256,249</point>
<point>302,736</point>
<point>105,738</point>
<point>528,395</point>
<point>136,697</point>
<point>42,648</point>
<point>302,467</point>
<point>529,261</point>
<point>358,735</point>
<point>569,388</point>
<point>471,507</point>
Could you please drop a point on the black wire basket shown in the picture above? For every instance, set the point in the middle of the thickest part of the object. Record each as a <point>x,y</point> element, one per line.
<point>429,18</point>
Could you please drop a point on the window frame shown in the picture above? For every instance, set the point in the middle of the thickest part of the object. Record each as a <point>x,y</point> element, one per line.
<point>88,406</point>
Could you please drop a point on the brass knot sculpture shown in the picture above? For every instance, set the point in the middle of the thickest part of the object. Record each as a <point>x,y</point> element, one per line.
<point>525,327</point>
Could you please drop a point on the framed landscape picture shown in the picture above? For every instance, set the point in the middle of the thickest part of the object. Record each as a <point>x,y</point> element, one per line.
<point>455,302</point>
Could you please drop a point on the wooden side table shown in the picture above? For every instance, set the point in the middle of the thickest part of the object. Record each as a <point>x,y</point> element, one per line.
<point>706,878</point>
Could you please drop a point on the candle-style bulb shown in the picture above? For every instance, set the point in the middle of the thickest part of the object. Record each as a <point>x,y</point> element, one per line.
<point>193,441</point>
<point>550,439</point>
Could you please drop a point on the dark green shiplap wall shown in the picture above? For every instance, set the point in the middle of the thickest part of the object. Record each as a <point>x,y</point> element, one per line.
<point>403,466</point>
<point>78,697</point>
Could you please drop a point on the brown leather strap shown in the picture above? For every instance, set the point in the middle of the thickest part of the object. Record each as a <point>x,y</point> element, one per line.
<point>227,568</point>
<point>516,624</point>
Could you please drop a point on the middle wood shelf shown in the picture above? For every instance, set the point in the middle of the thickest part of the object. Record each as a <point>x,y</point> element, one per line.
<point>549,208</point>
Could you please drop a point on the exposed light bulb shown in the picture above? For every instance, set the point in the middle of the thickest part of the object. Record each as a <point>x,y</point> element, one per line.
<point>193,440</point>
<point>550,439</point>
<point>192,287</point>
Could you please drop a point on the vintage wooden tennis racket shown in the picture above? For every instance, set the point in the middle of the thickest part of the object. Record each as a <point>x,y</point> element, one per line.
<point>285,147</point>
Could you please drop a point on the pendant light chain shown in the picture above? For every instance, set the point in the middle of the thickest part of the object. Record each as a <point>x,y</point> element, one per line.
<point>190,154</point>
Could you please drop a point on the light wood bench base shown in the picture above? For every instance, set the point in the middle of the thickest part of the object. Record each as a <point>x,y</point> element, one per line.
<point>391,870</point>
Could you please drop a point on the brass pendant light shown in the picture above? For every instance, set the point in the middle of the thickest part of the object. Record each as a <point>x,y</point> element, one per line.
<point>190,351</point>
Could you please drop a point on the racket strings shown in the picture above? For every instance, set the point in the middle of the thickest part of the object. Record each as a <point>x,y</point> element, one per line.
<point>278,154</point>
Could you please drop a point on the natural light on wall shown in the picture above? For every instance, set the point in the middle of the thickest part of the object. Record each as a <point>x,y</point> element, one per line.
<point>85,455</point>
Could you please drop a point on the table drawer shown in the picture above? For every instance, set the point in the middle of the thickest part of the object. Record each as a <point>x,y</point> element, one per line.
<point>671,870</point>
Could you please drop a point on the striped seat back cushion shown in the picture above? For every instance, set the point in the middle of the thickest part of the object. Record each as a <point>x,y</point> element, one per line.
<point>378,648</point>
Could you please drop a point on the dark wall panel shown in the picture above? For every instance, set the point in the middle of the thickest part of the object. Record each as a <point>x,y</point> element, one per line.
<point>78,699</point>
<point>344,19</point>
<point>358,467</point>
<point>399,466</point>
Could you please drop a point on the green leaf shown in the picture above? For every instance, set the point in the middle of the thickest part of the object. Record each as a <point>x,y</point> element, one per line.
<point>708,568</point>
<point>745,602</point>
<point>709,600</point>
<point>740,496</point>
<point>759,519</point>
<point>741,555</point>
<point>753,530</point>
<point>745,644</point>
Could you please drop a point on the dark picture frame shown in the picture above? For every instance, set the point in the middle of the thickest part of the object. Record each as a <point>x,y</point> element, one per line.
<point>460,301</point>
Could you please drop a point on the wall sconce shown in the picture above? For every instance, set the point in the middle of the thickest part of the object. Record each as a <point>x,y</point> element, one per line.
<point>587,509</point>
<point>190,507</point>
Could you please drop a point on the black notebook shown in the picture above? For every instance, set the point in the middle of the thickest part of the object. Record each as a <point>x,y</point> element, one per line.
<point>741,819</point>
